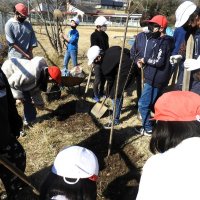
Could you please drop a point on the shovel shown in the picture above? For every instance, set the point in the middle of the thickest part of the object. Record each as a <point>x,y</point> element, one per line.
<point>189,53</point>
<point>99,109</point>
<point>88,80</point>
<point>18,173</point>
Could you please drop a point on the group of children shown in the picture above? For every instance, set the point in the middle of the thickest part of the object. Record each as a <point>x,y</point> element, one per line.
<point>154,55</point>
<point>177,114</point>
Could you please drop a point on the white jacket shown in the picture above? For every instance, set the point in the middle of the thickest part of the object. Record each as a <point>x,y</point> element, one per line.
<point>22,76</point>
<point>174,174</point>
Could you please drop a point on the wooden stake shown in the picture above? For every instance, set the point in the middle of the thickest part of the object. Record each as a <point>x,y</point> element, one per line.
<point>117,84</point>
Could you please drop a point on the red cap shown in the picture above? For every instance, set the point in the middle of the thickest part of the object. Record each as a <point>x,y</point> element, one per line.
<point>55,73</point>
<point>178,106</point>
<point>160,20</point>
<point>22,9</point>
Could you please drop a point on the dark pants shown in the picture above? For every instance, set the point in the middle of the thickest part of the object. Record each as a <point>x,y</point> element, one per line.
<point>29,108</point>
<point>15,153</point>
<point>99,82</point>
<point>124,81</point>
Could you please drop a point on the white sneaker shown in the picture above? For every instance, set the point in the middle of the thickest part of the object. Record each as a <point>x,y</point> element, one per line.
<point>141,131</point>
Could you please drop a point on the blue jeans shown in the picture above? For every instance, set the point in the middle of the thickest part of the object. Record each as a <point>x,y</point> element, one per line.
<point>119,103</point>
<point>29,108</point>
<point>147,100</point>
<point>69,54</point>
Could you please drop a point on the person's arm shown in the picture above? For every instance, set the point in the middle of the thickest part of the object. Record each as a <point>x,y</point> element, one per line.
<point>21,51</point>
<point>37,98</point>
<point>159,60</point>
<point>74,38</point>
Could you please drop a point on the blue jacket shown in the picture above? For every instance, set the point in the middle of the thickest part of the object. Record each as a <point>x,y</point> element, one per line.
<point>73,42</point>
<point>156,54</point>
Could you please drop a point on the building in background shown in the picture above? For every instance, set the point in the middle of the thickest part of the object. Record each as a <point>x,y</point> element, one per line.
<point>104,4</point>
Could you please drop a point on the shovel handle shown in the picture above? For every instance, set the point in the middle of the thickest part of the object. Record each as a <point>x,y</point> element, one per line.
<point>88,81</point>
<point>7,164</point>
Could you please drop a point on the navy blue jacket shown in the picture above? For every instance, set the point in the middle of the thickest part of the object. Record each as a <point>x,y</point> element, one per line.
<point>195,84</point>
<point>156,54</point>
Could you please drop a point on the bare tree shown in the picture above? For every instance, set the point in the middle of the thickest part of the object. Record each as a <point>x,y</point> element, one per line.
<point>51,18</point>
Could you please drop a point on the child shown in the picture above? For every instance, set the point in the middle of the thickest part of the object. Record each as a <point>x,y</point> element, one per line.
<point>157,69</point>
<point>73,175</point>
<point>173,173</point>
<point>72,46</point>
<point>27,78</point>
<point>187,22</point>
<point>109,68</point>
<point>99,38</point>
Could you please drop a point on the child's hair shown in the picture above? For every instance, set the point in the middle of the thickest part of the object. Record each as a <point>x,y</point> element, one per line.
<point>169,134</point>
<point>194,15</point>
<point>84,189</point>
<point>178,117</point>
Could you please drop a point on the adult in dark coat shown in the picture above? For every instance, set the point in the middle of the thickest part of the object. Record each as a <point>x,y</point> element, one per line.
<point>109,63</point>
<point>10,148</point>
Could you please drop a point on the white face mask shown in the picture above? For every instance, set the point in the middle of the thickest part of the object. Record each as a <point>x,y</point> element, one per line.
<point>103,28</point>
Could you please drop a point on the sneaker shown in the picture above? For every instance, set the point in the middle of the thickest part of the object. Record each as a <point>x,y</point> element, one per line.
<point>109,125</point>
<point>142,131</point>
<point>22,133</point>
<point>96,99</point>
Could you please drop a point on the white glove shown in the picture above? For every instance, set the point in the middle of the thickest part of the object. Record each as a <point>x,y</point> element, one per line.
<point>192,64</point>
<point>175,59</point>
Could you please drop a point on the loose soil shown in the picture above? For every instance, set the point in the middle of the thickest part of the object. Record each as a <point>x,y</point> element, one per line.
<point>120,172</point>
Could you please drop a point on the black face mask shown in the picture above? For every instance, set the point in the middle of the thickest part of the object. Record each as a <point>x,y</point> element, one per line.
<point>21,19</point>
<point>151,28</point>
<point>73,27</point>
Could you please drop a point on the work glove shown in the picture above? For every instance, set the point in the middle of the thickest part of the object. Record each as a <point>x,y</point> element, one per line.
<point>175,59</point>
<point>192,64</point>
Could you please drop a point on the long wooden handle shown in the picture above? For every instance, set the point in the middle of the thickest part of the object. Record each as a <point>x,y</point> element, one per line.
<point>7,164</point>
<point>142,77</point>
<point>88,81</point>
<point>189,54</point>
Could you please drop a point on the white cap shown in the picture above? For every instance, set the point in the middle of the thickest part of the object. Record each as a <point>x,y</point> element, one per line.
<point>76,162</point>
<point>183,12</point>
<point>92,53</point>
<point>100,21</point>
<point>192,64</point>
<point>76,20</point>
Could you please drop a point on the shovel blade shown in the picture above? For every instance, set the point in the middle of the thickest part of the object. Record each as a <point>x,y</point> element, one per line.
<point>99,110</point>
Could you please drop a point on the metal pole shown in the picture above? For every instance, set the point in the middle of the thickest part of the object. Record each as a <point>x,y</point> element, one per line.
<point>117,84</point>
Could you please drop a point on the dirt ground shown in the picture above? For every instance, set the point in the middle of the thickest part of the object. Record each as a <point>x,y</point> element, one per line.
<point>120,172</point>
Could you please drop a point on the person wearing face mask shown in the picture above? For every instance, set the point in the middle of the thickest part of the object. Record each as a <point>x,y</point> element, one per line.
<point>20,35</point>
<point>72,46</point>
<point>154,60</point>
<point>187,19</point>
<point>99,38</point>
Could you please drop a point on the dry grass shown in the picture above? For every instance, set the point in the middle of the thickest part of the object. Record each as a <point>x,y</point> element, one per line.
<point>119,173</point>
